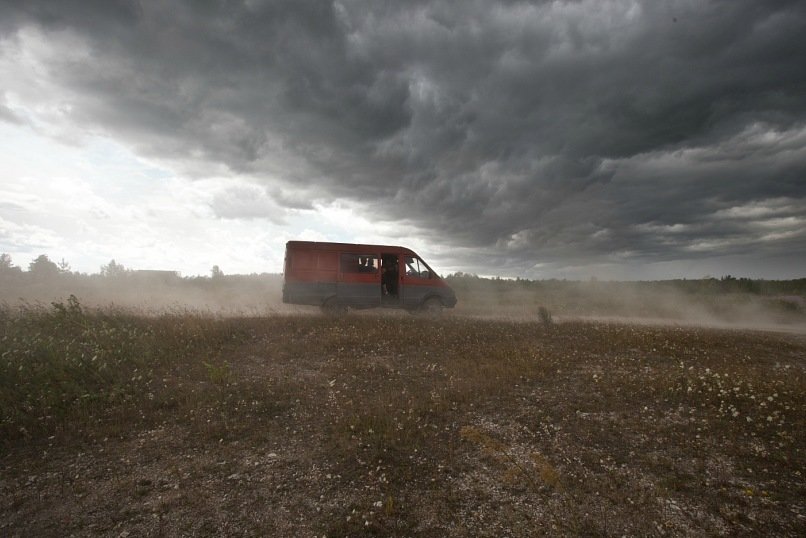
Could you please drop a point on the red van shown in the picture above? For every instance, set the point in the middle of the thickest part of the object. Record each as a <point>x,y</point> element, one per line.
<point>336,276</point>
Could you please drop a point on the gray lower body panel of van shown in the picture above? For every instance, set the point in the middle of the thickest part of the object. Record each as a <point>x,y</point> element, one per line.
<point>308,293</point>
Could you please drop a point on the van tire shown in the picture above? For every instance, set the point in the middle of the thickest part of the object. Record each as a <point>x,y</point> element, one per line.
<point>332,307</point>
<point>432,307</point>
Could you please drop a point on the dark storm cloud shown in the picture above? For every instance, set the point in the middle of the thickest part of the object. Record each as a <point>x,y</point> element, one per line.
<point>573,132</point>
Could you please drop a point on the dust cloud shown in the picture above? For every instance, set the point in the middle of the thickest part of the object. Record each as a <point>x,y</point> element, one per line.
<point>153,293</point>
<point>729,302</point>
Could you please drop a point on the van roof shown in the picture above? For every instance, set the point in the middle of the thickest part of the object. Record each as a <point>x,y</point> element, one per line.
<point>318,245</point>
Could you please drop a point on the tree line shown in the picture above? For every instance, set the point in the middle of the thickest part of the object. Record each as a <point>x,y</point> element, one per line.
<point>43,268</point>
<point>698,286</point>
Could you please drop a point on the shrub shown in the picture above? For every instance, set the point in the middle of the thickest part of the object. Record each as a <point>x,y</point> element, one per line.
<point>545,316</point>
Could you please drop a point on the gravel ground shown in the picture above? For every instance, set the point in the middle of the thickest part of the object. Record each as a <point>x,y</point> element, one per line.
<point>396,426</point>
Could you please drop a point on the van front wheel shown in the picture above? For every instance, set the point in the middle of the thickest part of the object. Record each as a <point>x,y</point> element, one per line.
<point>432,307</point>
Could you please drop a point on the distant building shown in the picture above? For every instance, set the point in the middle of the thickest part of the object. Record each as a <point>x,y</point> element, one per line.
<point>154,275</point>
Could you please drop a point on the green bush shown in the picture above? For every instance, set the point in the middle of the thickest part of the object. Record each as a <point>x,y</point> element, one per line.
<point>64,364</point>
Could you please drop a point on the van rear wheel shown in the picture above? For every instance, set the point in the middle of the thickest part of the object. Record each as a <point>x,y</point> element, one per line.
<point>332,307</point>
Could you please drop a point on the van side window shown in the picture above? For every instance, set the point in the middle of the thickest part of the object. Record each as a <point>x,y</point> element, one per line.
<point>416,267</point>
<point>359,263</point>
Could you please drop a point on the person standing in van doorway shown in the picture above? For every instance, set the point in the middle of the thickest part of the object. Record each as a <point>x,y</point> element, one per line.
<point>389,277</point>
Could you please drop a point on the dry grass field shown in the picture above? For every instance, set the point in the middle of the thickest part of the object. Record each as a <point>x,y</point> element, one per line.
<point>183,424</point>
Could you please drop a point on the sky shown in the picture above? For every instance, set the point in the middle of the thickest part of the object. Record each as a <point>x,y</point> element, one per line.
<point>615,139</point>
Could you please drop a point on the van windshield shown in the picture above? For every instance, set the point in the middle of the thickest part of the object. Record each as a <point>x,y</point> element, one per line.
<point>415,267</point>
